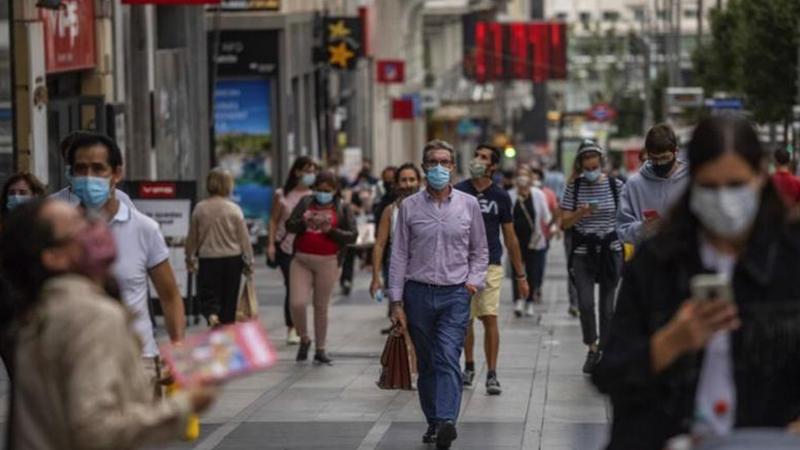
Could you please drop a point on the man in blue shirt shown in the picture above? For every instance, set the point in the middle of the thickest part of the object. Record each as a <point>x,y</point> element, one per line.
<point>496,211</point>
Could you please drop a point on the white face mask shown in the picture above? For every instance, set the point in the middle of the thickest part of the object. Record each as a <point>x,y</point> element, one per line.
<point>728,212</point>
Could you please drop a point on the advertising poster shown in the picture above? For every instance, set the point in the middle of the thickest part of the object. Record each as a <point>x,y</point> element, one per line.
<point>243,145</point>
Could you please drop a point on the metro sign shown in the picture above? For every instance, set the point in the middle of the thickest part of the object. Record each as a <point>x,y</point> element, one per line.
<point>391,71</point>
<point>601,112</point>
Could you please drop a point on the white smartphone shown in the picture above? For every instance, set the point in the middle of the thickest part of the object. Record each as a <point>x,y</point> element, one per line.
<point>707,287</point>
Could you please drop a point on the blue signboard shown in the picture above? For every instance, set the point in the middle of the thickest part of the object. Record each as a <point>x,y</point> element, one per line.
<point>243,142</point>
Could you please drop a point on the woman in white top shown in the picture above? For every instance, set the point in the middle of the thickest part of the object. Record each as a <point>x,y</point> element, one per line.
<point>280,243</point>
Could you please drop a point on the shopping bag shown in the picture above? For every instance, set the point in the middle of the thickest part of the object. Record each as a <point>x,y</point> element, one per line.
<point>247,306</point>
<point>396,367</point>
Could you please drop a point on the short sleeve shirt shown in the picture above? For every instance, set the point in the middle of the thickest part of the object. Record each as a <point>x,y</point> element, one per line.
<point>140,247</point>
<point>604,220</point>
<point>495,206</point>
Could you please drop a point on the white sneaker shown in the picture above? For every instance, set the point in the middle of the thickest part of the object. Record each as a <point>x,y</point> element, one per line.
<point>518,307</point>
<point>292,337</point>
<point>529,312</point>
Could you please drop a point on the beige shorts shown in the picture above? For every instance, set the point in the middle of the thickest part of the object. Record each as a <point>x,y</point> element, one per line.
<point>487,301</point>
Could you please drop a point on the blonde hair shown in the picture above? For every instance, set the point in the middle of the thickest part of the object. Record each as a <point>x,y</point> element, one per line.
<point>219,182</point>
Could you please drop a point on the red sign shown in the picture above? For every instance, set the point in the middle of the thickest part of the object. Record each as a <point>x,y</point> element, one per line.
<point>391,71</point>
<point>601,112</point>
<point>171,2</point>
<point>157,189</point>
<point>402,109</point>
<point>69,36</point>
<point>515,51</point>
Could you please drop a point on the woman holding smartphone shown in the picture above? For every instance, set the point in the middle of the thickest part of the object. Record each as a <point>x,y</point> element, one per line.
<point>589,206</point>
<point>324,227</point>
<point>683,357</point>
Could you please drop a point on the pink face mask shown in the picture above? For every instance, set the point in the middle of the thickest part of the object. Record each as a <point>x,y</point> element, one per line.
<point>99,250</point>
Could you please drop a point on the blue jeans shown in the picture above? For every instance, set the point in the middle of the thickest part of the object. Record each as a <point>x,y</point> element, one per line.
<point>437,323</point>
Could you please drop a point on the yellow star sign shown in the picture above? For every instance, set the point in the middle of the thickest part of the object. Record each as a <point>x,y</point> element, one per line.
<point>338,30</point>
<point>340,55</point>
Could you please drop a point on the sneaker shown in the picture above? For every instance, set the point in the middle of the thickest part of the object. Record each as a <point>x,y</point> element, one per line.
<point>469,377</point>
<point>445,435</point>
<point>347,286</point>
<point>591,361</point>
<point>320,357</point>
<point>573,311</point>
<point>519,304</point>
<point>430,436</point>
<point>529,311</point>
<point>302,351</point>
<point>493,386</point>
<point>292,338</point>
<point>213,321</point>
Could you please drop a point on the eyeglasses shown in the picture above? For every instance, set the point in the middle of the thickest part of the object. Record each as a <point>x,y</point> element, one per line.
<point>431,163</point>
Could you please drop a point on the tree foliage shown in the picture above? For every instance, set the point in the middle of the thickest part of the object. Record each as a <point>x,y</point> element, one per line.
<point>753,53</point>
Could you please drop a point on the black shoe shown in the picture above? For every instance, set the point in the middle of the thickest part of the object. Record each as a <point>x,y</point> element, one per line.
<point>591,361</point>
<point>302,351</point>
<point>386,330</point>
<point>493,386</point>
<point>347,286</point>
<point>430,436</point>
<point>445,435</point>
<point>468,376</point>
<point>321,358</point>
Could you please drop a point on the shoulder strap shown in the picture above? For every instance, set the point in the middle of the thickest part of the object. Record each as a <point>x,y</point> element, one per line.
<point>612,183</point>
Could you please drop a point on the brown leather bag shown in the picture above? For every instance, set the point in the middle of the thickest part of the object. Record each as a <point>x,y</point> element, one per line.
<point>396,372</point>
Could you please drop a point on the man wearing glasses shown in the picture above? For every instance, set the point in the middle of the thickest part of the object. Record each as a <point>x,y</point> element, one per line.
<point>439,260</point>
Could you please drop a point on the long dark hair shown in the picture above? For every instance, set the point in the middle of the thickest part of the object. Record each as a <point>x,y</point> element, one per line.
<point>328,177</point>
<point>711,139</point>
<point>23,239</point>
<point>293,180</point>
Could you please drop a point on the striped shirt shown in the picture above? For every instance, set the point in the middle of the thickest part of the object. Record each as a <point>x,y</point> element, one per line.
<point>603,220</point>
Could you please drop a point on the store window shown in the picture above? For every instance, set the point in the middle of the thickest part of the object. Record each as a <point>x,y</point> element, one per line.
<point>6,124</point>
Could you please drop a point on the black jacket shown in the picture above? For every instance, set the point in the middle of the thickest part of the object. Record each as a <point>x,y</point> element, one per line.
<point>345,233</point>
<point>648,409</point>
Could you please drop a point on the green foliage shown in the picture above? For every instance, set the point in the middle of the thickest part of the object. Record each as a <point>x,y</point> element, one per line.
<point>753,53</point>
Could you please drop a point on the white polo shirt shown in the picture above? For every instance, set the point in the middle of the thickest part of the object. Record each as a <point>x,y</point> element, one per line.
<point>66,195</point>
<point>140,247</point>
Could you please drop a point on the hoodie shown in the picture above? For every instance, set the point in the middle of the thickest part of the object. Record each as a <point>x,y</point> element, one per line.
<point>645,191</point>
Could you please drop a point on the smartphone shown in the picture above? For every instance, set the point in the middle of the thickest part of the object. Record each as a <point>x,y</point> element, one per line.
<point>593,206</point>
<point>706,287</point>
<point>650,214</point>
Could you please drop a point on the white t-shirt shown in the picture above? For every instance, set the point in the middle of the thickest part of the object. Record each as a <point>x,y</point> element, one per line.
<point>66,195</point>
<point>716,385</point>
<point>140,247</point>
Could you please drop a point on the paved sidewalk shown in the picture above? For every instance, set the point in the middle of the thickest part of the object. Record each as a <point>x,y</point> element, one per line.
<point>546,402</point>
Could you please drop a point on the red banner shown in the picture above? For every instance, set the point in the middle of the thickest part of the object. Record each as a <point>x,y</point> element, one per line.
<point>157,189</point>
<point>402,109</point>
<point>69,36</point>
<point>171,2</point>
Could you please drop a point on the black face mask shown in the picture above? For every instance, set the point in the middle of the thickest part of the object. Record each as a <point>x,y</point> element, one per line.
<point>662,170</point>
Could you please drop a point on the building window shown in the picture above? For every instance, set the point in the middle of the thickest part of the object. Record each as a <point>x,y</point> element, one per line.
<point>585,16</point>
<point>638,14</point>
<point>663,14</point>
<point>562,16</point>
<point>610,16</point>
<point>690,13</point>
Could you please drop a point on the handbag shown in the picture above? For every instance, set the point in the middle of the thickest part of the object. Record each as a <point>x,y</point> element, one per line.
<point>396,367</point>
<point>247,306</point>
<point>535,237</point>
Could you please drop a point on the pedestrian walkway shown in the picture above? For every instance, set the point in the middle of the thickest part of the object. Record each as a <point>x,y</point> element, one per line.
<point>546,402</point>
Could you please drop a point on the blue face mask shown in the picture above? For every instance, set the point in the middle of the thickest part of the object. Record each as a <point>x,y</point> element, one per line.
<point>308,179</point>
<point>592,175</point>
<point>92,191</point>
<point>16,200</point>
<point>323,198</point>
<point>438,177</point>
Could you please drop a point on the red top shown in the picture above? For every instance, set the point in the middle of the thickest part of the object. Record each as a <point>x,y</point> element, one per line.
<point>313,241</point>
<point>788,186</point>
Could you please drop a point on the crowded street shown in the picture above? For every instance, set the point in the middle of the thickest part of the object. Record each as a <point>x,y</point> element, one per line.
<point>400,224</point>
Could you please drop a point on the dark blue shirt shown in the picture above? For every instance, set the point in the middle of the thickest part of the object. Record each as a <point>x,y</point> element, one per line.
<point>496,210</point>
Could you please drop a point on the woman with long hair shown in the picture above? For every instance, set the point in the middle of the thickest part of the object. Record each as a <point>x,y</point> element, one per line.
<point>690,352</point>
<point>324,226</point>
<point>18,189</point>
<point>280,244</point>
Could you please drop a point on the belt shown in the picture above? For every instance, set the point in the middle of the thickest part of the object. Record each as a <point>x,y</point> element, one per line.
<point>436,286</point>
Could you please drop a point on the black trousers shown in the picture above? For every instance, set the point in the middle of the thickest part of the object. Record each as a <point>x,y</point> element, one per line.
<point>572,291</point>
<point>587,270</point>
<point>284,262</point>
<point>218,281</point>
<point>534,262</point>
<point>348,267</point>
